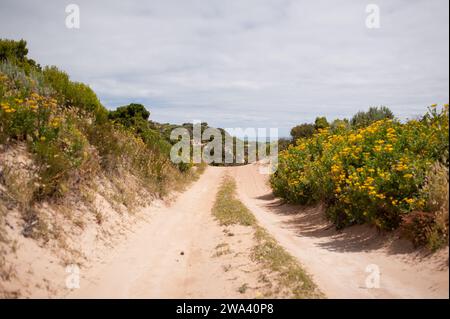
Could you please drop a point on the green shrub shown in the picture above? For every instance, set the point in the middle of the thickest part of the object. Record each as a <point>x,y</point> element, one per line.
<point>130,115</point>
<point>363,119</point>
<point>302,131</point>
<point>73,94</point>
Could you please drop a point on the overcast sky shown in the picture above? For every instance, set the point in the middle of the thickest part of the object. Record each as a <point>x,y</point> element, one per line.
<point>245,63</point>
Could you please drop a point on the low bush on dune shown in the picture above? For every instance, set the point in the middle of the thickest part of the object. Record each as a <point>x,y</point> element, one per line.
<point>377,174</point>
<point>69,131</point>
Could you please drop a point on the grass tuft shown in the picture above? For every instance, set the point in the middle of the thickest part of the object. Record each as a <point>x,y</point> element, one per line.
<point>290,274</point>
<point>228,209</point>
<point>290,278</point>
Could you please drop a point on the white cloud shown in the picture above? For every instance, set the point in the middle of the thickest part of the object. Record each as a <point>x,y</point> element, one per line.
<point>245,62</point>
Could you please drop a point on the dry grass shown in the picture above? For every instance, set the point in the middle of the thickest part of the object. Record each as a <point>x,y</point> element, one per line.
<point>290,275</point>
<point>286,277</point>
<point>243,288</point>
<point>228,209</point>
<point>437,192</point>
<point>19,184</point>
<point>18,174</point>
<point>3,237</point>
<point>222,249</point>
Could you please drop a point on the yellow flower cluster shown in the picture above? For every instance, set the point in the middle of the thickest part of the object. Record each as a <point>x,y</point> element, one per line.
<point>55,122</point>
<point>7,108</point>
<point>35,101</point>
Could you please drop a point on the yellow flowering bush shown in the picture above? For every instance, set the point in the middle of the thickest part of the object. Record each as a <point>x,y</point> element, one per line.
<point>28,114</point>
<point>370,175</point>
<point>30,117</point>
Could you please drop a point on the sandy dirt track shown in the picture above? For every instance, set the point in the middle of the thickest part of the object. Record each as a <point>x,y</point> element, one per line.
<point>174,254</point>
<point>170,256</point>
<point>338,260</point>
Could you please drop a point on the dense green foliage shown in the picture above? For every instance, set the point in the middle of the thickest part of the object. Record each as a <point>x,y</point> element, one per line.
<point>130,115</point>
<point>302,131</point>
<point>16,51</point>
<point>73,94</point>
<point>321,123</point>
